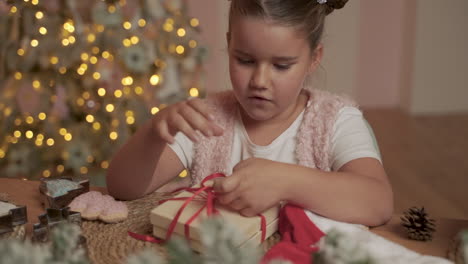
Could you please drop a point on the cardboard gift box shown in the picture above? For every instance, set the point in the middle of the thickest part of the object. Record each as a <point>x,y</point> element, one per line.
<point>162,216</point>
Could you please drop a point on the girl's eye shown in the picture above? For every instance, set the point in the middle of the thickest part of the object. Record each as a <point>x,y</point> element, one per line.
<point>282,67</point>
<point>245,61</point>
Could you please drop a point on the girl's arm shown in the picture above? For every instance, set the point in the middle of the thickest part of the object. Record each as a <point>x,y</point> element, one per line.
<point>358,193</point>
<point>145,162</point>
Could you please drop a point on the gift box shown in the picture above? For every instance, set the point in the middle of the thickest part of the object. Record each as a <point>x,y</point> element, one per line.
<point>162,216</point>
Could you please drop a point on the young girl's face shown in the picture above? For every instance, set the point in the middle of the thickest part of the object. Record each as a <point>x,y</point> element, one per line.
<point>268,64</point>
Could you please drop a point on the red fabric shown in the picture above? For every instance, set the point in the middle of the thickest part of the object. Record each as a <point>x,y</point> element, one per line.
<point>298,237</point>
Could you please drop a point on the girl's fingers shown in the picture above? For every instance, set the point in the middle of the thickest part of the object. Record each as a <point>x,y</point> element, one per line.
<point>197,121</point>
<point>163,132</point>
<point>184,127</point>
<point>202,108</point>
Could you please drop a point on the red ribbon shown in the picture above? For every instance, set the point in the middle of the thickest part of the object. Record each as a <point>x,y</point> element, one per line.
<point>208,196</point>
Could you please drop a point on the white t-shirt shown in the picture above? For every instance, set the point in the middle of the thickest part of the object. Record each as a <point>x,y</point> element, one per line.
<point>351,140</point>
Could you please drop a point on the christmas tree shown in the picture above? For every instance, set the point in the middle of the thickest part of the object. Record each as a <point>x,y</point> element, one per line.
<point>78,77</point>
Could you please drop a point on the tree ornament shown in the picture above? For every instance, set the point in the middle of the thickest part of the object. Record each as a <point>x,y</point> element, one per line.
<point>417,223</point>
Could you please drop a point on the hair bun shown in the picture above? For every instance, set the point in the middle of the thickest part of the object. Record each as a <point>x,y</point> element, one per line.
<point>335,4</point>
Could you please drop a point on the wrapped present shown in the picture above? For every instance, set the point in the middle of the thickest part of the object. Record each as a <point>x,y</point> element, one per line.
<point>182,215</point>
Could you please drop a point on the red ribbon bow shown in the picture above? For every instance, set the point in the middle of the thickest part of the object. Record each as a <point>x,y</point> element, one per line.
<point>208,196</point>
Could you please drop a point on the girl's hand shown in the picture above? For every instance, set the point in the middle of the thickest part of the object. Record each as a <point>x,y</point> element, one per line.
<point>254,186</point>
<point>189,117</point>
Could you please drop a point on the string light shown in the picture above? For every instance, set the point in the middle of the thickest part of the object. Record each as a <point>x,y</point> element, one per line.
<point>54,60</point>
<point>91,38</point>
<point>86,95</point>
<point>138,90</point>
<point>93,60</point>
<point>20,52</point>
<point>65,42</point>
<point>96,75</point>
<point>154,110</point>
<point>154,80</point>
<point>118,93</point>
<point>111,9</point>
<point>46,173</point>
<point>34,43</point>
<point>39,15</point>
<point>68,137</point>
<point>35,2</point>
<point>90,118</point>
<point>43,30</point>
<point>2,153</point>
<point>126,42</point>
<point>7,111</point>
<point>60,168</point>
<point>95,50</point>
<point>194,22</point>
<point>18,75</point>
<point>101,92</point>
<point>18,122</point>
<point>29,120</point>
<point>62,70</point>
<point>110,108</point>
<point>192,44</point>
<point>127,25</point>
<point>40,137</point>
<point>180,49</point>
<point>50,142</point>
<point>62,131</point>
<point>42,116</point>
<point>181,32</point>
<point>96,126</point>
<point>134,40</point>
<point>13,9</point>
<point>193,92</point>
<point>36,84</point>
<point>127,80</point>
<point>105,54</point>
<point>100,28</point>
<point>71,39</point>
<point>113,135</point>
<point>17,134</point>
<point>84,56</point>
<point>29,134</point>
<point>105,164</point>
<point>141,22</point>
<point>83,170</point>
<point>90,159</point>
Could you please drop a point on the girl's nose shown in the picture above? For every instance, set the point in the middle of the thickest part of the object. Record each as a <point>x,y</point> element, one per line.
<point>260,78</point>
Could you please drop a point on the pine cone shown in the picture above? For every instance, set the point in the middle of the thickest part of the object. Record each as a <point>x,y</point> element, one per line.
<point>417,224</point>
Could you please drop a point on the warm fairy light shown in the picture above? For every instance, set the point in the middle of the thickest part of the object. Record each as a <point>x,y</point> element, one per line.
<point>105,164</point>
<point>18,121</point>
<point>90,159</point>
<point>34,43</point>
<point>81,71</point>
<point>29,120</point>
<point>36,84</point>
<point>127,80</point>
<point>18,75</point>
<point>91,38</point>
<point>50,142</point>
<point>194,22</point>
<point>110,108</point>
<point>180,49</point>
<point>86,95</point>
<point>2,153</point>
<point>138,90</point>
<point>90,118</point>
<point>160,63</point>
<point>39,143</point>
<point>141,22</point>
<point>68,26</point>
<point>71,39</point>
<point>96,126</point>
<point>39,15</point>
<point>183,174</point>
<point>43,30</point>
<point>83,170</point>
<point>14,140</point>
<point>7,111</point>
<point>84,56</point>
<point>93,59</point>
<point>42,116</point>
<point>192,43</point>
<point>111,9</point>
<point>65,42</point>
<point>127,90</point>
<point>54,60</point>
<point>13,9</point>
<point>127,25</point>
<point>29,134</point>
<point>105,54</point>
<point>130,120</point>
<point>118,93</point>
<point>113,135</point>
<point>154,110</point>
<point>40,137</point>
<point>194,92</point>
<point>35,2</point>
<point>154,80</point>
<point>96,75</point>
<point>20,52</point>
<point>60,168</point>
<point>101,91</point>
<point>181,32</point>
<point>129,113</point>
<point>134,40</point>
<point>126,42</point>
<point>100,28</point>
<point>168,27</point>
<point>68,137</point>
<point>46,173</point>
<point>17,134</point>
<point>63,131</point>
<point>95,50</point>
<point>62,70</point>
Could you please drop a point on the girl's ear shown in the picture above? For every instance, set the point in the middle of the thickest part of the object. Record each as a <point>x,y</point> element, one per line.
<point>316,58</point>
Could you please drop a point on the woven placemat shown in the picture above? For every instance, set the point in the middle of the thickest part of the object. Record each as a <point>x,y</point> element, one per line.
<point>110,243</point>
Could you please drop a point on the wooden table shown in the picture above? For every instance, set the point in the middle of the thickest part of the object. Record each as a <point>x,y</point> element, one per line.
<point>27,193</point>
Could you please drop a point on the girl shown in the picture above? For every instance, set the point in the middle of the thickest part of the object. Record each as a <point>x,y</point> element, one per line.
<point>276,138</point>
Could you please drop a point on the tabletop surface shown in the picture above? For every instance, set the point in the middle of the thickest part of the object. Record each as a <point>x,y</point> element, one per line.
<point>26,193</point>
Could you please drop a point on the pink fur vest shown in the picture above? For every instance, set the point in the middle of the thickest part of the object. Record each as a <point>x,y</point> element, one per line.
<point>314,136</point>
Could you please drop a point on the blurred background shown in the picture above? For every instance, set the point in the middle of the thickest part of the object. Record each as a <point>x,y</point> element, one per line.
<point>405,62</point>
